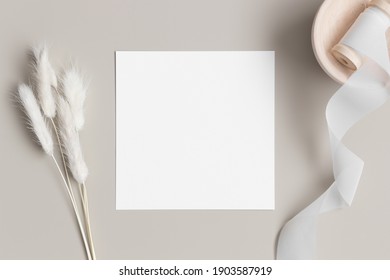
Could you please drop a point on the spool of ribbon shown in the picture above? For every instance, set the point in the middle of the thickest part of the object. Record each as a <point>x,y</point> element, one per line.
<point>364,47</point>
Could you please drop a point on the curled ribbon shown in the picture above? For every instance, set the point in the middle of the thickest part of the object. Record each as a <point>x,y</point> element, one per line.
<point>365,91</point>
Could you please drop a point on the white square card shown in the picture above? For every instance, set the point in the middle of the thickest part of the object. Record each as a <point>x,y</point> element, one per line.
<point>194,130</point>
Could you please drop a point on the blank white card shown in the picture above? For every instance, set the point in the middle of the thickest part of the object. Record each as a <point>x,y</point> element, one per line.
<point>194,130</point>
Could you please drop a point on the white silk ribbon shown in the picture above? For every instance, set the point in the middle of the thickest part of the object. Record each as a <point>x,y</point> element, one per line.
<point>365,91</point>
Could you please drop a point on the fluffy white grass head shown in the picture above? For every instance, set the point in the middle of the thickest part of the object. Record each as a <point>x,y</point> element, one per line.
<point>45,80</point>
<point>36,120</point>
<point>71,141</point>
<point>75,91</point>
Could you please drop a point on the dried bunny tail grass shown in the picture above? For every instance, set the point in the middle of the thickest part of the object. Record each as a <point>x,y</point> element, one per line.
<point>71,142</point>
<point>75,91</point>
<point>41,53</point>
<point>34,114</point>
<point>44,78</point>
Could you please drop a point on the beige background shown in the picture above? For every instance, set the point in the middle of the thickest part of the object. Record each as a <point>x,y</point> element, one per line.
<point>36,221</point>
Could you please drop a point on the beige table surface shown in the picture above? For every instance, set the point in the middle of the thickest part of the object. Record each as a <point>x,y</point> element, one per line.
<point>36,221</point>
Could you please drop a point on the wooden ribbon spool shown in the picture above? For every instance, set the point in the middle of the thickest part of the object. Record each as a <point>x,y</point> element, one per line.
<point>332,22</point>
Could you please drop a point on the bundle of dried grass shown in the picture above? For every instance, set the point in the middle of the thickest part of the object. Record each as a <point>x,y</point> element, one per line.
<point>70,120</point>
